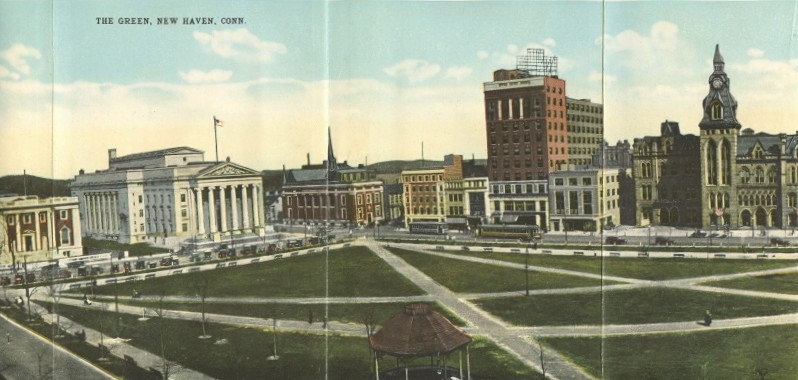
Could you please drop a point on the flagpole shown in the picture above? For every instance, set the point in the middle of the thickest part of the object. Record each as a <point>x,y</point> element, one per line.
<point>216,139</point>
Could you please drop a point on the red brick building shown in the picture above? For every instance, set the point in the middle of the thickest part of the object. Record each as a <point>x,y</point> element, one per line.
<point>526,120</point>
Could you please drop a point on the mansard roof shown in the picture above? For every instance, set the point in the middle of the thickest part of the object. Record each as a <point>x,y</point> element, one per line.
<point>770,144</point>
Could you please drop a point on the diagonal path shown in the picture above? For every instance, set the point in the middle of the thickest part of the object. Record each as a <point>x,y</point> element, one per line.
<point>557,366</point>
<point>270,300</point>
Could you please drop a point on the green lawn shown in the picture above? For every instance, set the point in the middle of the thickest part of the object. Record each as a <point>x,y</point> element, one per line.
<point>352,313</point>
<point>646,305</point>
<point>467,277</point>
<point>137,249</point>
<point>587,264</point>
<point>663,269</point>
<point>719,354</point>
<point>353,272</point>
<point>302,356</point>
<point>776,283</point>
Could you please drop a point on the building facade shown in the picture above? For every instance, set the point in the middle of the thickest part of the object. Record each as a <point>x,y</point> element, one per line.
<point>172,192</point>
<point>39,229</point>
<point>614,156</point>
<point>666,174</point>
<point>585,130</point>
<point>584,199</point>
<point>525,119</point>
<point>333,194</point>
<point>520,202</point>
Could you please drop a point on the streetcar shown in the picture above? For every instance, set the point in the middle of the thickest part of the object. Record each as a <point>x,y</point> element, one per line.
<point>432,228</point>
<point>510,231</point>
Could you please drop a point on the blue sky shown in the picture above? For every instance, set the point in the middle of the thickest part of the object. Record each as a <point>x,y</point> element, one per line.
<point>384,75</point>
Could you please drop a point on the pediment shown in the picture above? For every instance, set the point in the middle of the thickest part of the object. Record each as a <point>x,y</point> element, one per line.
<point>227,169</point>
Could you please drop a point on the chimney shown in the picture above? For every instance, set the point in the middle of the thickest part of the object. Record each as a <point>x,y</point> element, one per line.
<point>308,158</point>
<point>111,154</point>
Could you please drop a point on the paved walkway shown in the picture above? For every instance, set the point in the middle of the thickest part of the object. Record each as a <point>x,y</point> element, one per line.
<point>528,352</point>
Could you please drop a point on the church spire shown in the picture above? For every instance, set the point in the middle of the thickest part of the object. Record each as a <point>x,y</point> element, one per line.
<point>718,60</point>
<point>332,164</point>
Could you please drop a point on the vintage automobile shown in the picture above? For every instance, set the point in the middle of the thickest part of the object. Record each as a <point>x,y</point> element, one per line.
<point>663,241</point>
<point>776,242</point>
<point>614,240</point>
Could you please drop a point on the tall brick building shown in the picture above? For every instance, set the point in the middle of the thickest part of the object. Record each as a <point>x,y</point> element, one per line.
<point>525,119</point>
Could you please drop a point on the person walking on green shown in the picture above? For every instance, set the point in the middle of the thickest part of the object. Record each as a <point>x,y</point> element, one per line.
<point>707,318</point>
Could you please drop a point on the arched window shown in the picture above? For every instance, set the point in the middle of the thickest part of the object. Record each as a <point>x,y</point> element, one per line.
<point>725,163</point>
<point>771,175</point>
<point>745,175</point>
<point>717,110</point>
<point>64,236</point>
<point>759,176</point>
<point>794,174</point>
<point>712,162</point>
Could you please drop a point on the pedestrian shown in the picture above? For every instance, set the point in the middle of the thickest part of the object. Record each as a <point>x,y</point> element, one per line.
<point>8,338</point>
<point>707,318</point>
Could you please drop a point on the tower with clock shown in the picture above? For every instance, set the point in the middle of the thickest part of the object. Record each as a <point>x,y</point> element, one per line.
<point>719,134</point>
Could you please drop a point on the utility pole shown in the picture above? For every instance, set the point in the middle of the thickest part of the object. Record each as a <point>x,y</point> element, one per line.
<point>526,269</point>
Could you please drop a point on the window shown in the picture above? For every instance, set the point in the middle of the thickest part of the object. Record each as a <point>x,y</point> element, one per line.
<point>717,110</point>
<point>42,218</point>
<point>185,226</point>
<point>184,213</point>
<point>10,219</point>
<point>26,218</point>
<point>558,182</point>
<point>359,199</point>
<point>182,198</point>
<point>759,177</point>
<point>586,181</point>
<point>573,182</point>
<point>65,236</point>
<point>63,215</point>
<point>745,176</point>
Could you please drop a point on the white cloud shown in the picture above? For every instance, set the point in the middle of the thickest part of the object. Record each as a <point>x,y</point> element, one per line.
<point>663,36</point>
<point>198,76</point>
<point>239,44</point>
<point>17,56</point>
<point>6,73</point>
<point>605,78</point>
<point>550,42</point>
<point>415,70</point>
<point>458,72</point>
<point>482,54</point>
<point>755,53</point>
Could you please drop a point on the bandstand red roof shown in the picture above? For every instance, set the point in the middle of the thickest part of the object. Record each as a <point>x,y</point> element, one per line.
<point>418,331</point>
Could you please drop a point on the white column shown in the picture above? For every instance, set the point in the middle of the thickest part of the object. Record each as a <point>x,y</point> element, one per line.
<point>255,208</point>
<point>212,209</point>
<point>520,110</point>
<point>200,213</point>
<point>234,206</point>
<point>17,220</point>
<point>244,207</point>
<point>95,210</point>
<point>223,207</point>
<point>38,226</point>
<point>51,229</point>
<point>76,232</point>
<point>92,212</point>
<point>100,212</point>
<point>115,214</point>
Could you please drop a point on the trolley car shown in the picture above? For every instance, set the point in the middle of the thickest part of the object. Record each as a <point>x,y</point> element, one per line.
<point>510,231</point>
<point>432,228</point>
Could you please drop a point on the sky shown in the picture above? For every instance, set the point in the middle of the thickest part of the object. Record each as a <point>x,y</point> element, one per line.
<point>385,76</point>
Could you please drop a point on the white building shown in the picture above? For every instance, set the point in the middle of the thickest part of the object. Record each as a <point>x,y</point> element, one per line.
<point>169,192</point>
<point>39,229</point>
<point>584,199</point>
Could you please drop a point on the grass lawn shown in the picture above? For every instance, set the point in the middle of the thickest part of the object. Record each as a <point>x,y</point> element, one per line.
<point>353,272</point>
<point>137,249</point>
<point>777,283</point>
<point>466,277</point>
<point>663,269</point>
<point>352,313</point>
<point>637,306</point>
<point>587,264</point>
<point>302,356</point>
<point>719,354</point>
<point>639,268</point>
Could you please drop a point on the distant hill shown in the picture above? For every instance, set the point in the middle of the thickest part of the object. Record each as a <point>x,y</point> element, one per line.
<point>42,187</point>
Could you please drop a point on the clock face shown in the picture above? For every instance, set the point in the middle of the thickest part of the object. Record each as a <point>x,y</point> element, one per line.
<point>717,83</point>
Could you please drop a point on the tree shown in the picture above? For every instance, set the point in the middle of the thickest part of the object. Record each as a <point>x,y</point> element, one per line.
<point>54,293</point>
<point>542,360</point>
<point>161,331</point>
<point>202,284</point>
<point>369,322</point>
<point>29,292</point>
<point>45,370</point>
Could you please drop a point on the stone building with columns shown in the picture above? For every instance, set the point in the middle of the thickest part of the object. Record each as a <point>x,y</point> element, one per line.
<point>171,192</point>
<point>39,229</point>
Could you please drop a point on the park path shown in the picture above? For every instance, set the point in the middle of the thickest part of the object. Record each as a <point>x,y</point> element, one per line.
<point>653,328</point>
<point>270,300</point>
<point>119,348</point>
<point>557,366</point>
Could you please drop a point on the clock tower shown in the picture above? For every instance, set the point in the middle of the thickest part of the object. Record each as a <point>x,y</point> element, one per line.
<point>719,132</point>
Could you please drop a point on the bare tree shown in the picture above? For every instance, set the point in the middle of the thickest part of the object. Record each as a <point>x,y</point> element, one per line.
<point>29,291</point>
<point>44,369</point>
<point>542,360</point>
<point>161,330</point>
<point>202,284</point>
<point>369,322</point>
<point>54,293</point>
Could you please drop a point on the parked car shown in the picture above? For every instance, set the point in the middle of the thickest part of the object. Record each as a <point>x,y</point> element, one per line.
<point>698,234</point>
<point>663,241</point>
<point>614,240</point>
<point>776,242</point>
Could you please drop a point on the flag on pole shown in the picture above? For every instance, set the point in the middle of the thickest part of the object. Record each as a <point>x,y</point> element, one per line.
<point>217,122</point>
